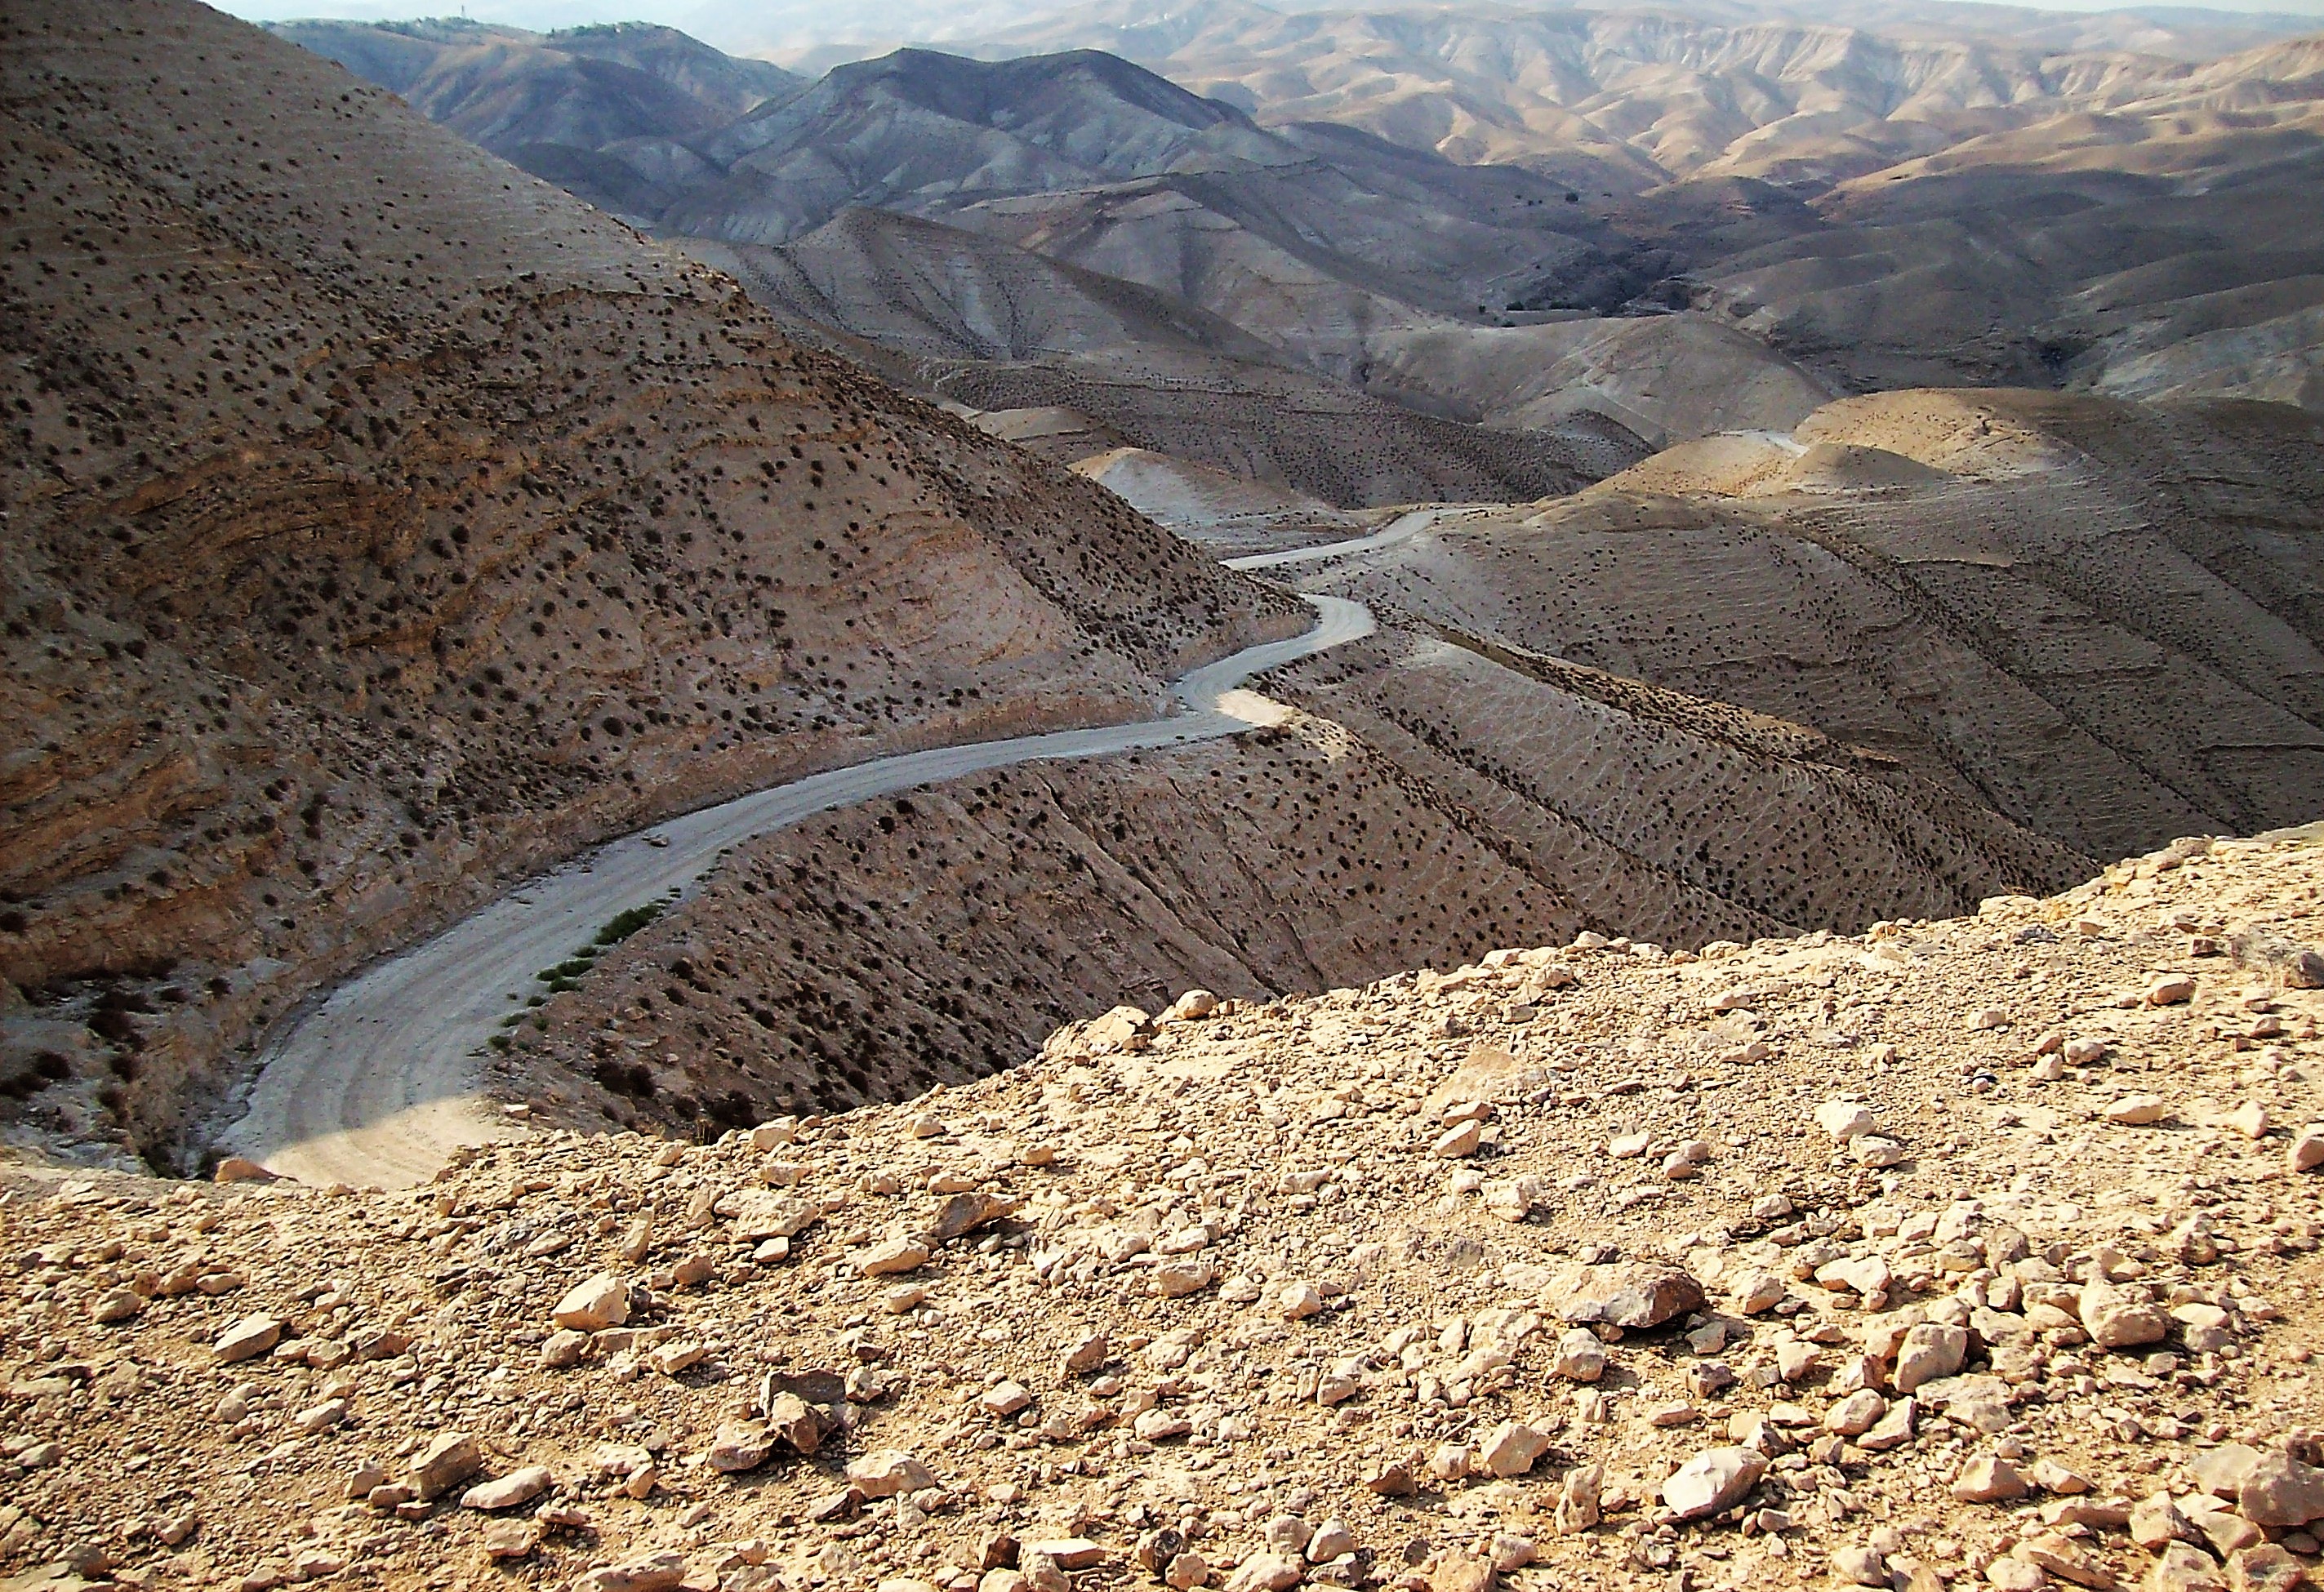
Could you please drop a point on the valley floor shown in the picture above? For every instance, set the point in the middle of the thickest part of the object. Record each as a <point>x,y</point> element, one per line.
<point>379,1082</point>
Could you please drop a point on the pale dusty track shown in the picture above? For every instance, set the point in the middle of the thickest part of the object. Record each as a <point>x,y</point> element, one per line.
<point>379,1082</point>
<point>1405,528</point>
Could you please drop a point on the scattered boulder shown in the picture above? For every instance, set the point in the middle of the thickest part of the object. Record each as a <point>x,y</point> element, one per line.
<point>740,1446</point>
<point>2280,1491</point>
<point>885,1472</point>
<point>1088,1352</point>
<point>444,1464</point>
<point>2058,1556</point>
<point>1929,1352</point>
<point>1580,1499</point>
<point>1713,1480</point>
<point>1393,1479</point>
<point>1460,1140</point>
<point>246,1339</point>
<point>796,1424</point>
<point>2117,1319</point>
<point>1988,1478</point>
<point>654,1572</point>
<point>2183,1569</point>
<point>1511,1448</point>
<point>1458,1572</point>
<point>1580,1356</point>
<point>564,1348</point>
<point>1268,1572</point>
<point>1859,1566</point>
<point>512,1491</point>
<point>241,1169</point>
<point>2266,1567</point>
<point>1633,1296</point>
<point>1844,1120</point>
<point>2157,1522</point>
<point>602,1301</point>
<point>510,1539</point>
<point>1856,1415</point>
<point>892,1258</point>
<point>969,1212</point>
<point>2221,1471</point>
<point>2170,990</point>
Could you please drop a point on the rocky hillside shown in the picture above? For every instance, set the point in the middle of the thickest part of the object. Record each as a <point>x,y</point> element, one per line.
<point>383,525</point>
<point>2099,620</point>
<point>1947,645</point>
<point>1975,1252</point>
<point>1457,797</point>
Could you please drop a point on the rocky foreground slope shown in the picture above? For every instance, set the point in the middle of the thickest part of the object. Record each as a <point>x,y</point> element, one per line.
<point>1969,1252</point>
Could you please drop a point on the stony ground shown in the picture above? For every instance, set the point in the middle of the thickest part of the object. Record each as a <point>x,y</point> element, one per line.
<point>1978,1252</point>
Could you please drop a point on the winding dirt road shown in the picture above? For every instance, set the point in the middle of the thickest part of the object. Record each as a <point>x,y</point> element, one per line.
<point>379,1082</point>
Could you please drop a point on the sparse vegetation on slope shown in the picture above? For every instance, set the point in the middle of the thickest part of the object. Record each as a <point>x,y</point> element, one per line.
<point>383,524</point>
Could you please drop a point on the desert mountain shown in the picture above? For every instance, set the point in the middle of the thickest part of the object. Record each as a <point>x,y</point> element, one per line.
<point>511,90</point>
<point>1310,237</point>
<point>809,36</point>
<point>1995,199</point>
<point>1632,97</point>
<point>383,524</point>
<point>1110,214</point>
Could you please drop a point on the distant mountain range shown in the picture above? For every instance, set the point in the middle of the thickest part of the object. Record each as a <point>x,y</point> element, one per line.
<point>799,31</point>
<point>1490,218</point>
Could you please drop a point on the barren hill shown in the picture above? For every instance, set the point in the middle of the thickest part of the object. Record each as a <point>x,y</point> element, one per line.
<point>1621,98</point>
<point>514,91</point>
<point>925,291</point>
<point>1980,1251</point>
<point>2097,618</point>
<point>384,525</point>
<point>976,319</point>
